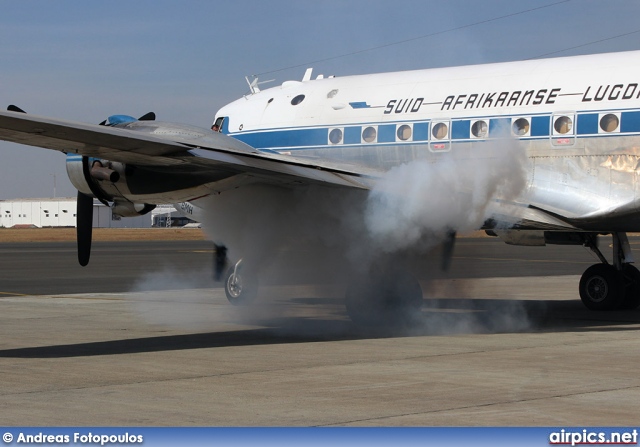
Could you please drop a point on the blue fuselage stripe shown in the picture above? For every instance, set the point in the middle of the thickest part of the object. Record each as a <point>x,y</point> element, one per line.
<point>540,126</point>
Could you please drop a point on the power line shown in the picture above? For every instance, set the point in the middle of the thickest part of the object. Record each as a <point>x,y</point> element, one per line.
<point>506,16</point>
<point>584,45</point>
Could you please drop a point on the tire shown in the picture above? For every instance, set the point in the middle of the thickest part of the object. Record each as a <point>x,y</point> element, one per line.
<point>631,299</point>
<point>602,287</point>
<point>241,289</point>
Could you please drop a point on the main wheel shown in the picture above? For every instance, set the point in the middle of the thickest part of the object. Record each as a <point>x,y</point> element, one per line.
<point>390,297</point>
<point>602,287</point>
<point>240,286</point>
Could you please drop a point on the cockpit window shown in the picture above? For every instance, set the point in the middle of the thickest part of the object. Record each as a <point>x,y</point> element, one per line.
<point>217,125</point>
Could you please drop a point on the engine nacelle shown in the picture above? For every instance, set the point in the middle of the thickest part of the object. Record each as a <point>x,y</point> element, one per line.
<point>106,181</point>
<point>111,181</point>
<point>520,237</point>
<point>539,238</point>
<point>84,173</point>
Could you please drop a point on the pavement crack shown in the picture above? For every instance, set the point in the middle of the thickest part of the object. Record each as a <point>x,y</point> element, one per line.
<point>486,405</point>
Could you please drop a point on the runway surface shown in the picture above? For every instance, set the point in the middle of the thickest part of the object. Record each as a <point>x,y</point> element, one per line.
<point>503,340</point>
<point>52,268</point>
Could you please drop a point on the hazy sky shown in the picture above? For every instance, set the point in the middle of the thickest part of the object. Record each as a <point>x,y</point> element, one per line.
<point>185,59</point>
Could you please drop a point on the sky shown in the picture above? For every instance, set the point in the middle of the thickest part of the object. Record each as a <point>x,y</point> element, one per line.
<point>185,59</point>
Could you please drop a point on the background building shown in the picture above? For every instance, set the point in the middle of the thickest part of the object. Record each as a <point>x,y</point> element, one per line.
<point>61,212</point>
<point>167,216</point>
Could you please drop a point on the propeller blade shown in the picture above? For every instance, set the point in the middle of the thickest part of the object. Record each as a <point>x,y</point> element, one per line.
<point>13,108</point>
<point>220,262</point>
<point>84,227</point>
<point>148,117</point>
<point>447,250</point>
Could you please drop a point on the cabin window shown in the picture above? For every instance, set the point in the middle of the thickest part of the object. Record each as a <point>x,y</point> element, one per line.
<point>335,136</point>
<point>369,134</point>
<point>440,131</point>
<point>609,122</point>
<point>479,129</point>
<point>563,124</point>
<point>520,127</point>
<point>297,100</point>
<point>404,132</point>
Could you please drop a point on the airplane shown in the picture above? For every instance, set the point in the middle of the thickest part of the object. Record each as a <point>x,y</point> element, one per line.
<point>576,120</point>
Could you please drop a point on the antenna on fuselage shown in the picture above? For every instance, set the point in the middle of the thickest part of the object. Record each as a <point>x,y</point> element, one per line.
<point>253,83</point>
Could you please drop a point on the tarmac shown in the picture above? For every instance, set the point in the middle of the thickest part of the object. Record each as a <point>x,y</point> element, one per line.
<point>488,350</point>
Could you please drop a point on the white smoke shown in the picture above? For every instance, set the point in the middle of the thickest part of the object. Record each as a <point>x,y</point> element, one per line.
<point>253,222</point>
<point>412,207</point>
<point>419,203</point>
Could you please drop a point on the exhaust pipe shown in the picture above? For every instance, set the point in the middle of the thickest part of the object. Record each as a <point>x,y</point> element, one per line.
<point>99,172</point>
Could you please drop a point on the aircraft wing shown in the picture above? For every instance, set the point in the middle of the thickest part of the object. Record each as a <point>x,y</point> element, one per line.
<point>190,149</point>
<point>526,216</point>
<point>182,147</point>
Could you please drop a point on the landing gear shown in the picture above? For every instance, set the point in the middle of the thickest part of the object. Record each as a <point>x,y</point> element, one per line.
<point>387,296</point>
<point>240,286</point>
<point>611,286</point>
<point>601,287</point>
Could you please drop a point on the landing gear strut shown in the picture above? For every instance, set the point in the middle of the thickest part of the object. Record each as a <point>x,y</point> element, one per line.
<point>611,286</point>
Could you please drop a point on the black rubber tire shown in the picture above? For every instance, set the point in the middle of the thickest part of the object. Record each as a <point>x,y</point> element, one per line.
<point>602,287</point>
<point>631,299</point>
<point>241,290</point>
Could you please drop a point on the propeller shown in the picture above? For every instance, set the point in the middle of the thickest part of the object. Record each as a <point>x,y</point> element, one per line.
<point>220,261</point>
<point>447,250</point>
<point>84,210</point>
<point>13,108</point>
<point>84,227</point>
<point>84,206</point>
<point>148,117</point>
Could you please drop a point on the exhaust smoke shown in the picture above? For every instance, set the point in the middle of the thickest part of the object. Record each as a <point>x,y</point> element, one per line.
<point>322,235</point>
<point>417,204</point>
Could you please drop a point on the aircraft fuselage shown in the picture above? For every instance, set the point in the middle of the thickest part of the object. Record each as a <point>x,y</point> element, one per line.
<point>577,118</point>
